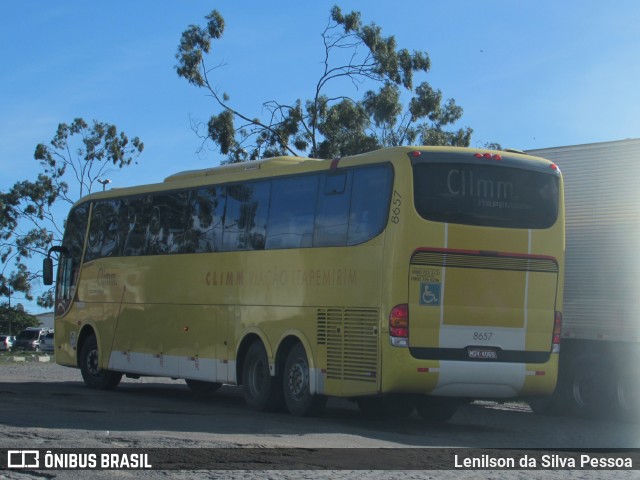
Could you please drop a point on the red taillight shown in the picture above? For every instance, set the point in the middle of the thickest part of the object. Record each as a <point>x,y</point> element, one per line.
<point>557,330</point>
<point>399,325</point>
<point>554,167</point>
<point>488,156</point>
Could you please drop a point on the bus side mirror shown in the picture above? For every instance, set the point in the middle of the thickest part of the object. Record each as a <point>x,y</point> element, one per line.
<point>47,271</point>
<point>47,264</point>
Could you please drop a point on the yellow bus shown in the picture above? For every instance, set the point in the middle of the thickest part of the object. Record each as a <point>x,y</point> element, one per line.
<point>404,278</point>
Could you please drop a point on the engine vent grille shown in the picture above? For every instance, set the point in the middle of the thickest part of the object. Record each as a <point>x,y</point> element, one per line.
<point>351,339</point>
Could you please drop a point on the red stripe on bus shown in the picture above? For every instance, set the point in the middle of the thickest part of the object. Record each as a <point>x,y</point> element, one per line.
<point>484,253</point>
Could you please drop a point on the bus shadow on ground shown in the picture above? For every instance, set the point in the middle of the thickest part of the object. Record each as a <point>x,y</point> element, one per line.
<point>170,406</point>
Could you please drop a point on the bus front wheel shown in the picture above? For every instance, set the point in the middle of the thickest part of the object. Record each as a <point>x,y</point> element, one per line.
<point>261,391</point>
<point>296,383</point>
<point>92,374</point>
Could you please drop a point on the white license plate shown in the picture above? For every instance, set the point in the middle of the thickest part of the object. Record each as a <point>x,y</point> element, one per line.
<point>482,353</point>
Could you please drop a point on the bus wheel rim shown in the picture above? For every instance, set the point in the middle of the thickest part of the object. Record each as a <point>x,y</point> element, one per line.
<point>92,362</point>
<point>298,379</point>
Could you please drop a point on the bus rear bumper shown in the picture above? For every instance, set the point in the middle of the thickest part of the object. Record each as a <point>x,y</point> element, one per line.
<point>490,380</point>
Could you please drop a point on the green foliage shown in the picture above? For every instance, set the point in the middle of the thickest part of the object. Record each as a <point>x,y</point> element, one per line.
<point>493,146</point>
<point>87,152</point>
<point>324,126</point>
<point>78,155</point>
<point>13,321</point>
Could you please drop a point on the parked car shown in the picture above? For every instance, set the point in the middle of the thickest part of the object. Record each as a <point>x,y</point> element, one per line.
<point>6,342</point>
<point>30,338</point>
<point>46,344</point>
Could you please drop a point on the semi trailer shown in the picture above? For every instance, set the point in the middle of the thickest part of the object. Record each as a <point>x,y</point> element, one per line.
<point>599,372</point>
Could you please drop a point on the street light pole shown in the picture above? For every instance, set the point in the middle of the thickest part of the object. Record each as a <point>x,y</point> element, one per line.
<point>104,183</point>
<point>9,312</point>
<point>19,309</point>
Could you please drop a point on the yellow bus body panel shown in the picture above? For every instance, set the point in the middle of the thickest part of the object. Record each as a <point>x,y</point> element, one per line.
<point>188,315</point>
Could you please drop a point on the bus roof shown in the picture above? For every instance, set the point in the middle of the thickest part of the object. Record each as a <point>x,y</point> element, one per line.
<point>289,164</point>
<point>239,167</point>
<point>280,162</point>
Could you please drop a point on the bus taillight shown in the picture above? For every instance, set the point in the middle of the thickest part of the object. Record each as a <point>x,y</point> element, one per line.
<point>488,156</point>
<point>399,325</point>
<point>557,331</point>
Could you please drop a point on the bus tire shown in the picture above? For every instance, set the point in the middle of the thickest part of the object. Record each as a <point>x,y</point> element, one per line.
<point>94,376</point>
<point>200,387</point>
<point>261,391</point>
<point>436,410</point>
<point>296,385</point>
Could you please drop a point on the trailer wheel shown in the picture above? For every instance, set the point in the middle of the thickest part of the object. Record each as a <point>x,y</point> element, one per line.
<point>296,385</point>
<point>627,395</point>
<point>261,391</point>
<point>94,376</point>
<point>589,387</point>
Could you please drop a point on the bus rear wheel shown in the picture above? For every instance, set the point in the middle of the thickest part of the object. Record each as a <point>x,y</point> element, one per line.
<point>296,385</point>
<point>200,387</point>
<point>261,391</point>
<point>94,376</point>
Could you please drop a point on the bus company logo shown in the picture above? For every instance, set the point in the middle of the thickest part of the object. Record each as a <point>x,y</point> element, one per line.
<point>107,279</point>
<point>430,294</point>
<point>23,459</point>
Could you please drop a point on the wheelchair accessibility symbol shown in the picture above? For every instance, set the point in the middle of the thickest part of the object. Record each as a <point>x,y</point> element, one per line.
<point>430,294</point>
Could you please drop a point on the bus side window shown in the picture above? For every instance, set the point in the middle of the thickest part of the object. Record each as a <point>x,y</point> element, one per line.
<point>332,215</point>
<point>137,217</point>
<point>292,211</point>
<point>104,231</point>
<point>205,220</point>
<point>245,216</point>
<point>257,215</point>
<point>369,203</point>
<point>166,230</point>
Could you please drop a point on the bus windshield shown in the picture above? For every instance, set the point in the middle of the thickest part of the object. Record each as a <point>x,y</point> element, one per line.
<point>486,195</point>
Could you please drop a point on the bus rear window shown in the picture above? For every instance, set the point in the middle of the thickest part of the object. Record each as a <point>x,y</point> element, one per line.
<point>486,195</point>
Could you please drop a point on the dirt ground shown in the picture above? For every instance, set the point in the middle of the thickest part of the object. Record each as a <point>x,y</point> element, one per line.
<point>46,406</point>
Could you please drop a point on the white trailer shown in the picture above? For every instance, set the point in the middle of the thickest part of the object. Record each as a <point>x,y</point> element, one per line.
<point>600,348</point>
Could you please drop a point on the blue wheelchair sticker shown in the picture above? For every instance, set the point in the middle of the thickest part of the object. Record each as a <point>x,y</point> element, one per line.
<point>430,294</point>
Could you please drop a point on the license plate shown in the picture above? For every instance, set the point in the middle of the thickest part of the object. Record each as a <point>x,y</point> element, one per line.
<point>482,353</point>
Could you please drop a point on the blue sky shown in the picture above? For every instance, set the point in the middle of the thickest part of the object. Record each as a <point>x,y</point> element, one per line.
<point>528,74</point>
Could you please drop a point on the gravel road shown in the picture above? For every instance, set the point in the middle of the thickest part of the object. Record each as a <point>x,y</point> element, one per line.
<point>43,405</point>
